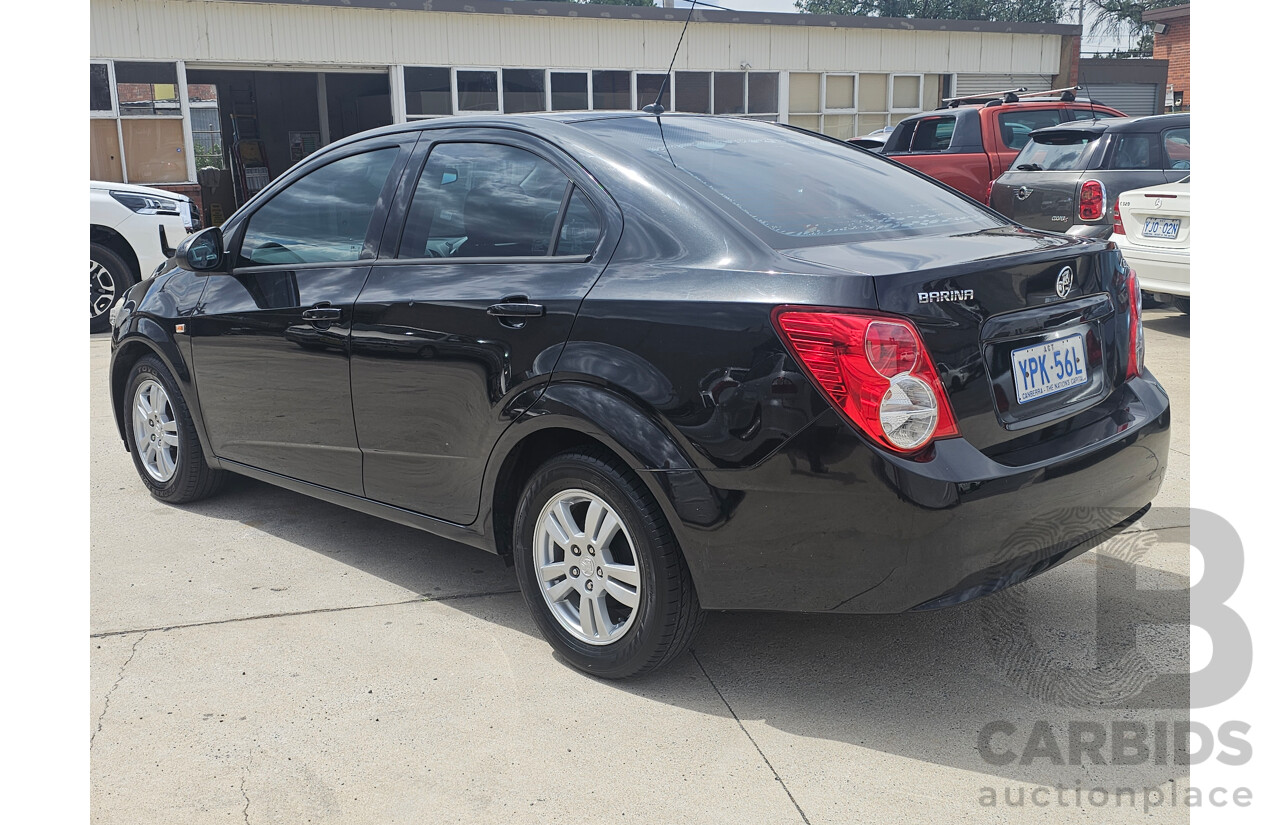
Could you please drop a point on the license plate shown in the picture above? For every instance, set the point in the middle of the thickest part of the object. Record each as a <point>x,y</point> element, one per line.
<point>1161,227</point>
<point>1049,367</point>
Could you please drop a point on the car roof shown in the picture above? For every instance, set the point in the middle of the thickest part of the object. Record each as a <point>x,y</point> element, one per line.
<point>1122,124</point>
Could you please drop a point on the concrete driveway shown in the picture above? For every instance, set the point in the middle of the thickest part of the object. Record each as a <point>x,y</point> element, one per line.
<point>264,657</point>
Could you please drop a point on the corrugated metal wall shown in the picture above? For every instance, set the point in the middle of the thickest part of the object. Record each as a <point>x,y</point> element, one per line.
<point>202,31</point>
<point>972,84</point>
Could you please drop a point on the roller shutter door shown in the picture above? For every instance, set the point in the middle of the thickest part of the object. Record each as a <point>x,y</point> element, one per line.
<point>975,84</point>
<point>1134,99</point>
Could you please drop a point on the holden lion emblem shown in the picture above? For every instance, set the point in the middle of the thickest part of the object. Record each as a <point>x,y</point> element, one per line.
<point>1065,278</point>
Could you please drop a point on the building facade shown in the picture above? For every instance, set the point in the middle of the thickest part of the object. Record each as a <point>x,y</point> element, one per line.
<point>243,89</point>
<point>1173,43</point>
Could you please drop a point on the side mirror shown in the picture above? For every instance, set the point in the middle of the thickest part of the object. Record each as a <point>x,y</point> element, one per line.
<point>202,252</point>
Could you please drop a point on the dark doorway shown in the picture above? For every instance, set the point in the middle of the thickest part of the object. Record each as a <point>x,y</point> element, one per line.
<point>249,127</point>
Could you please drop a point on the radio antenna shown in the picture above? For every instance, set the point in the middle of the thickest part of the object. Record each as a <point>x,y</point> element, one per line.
<point>656,108</point>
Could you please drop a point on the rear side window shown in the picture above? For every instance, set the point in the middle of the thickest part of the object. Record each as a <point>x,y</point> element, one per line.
<point>580,228</point>
<point>322,217</point>
<point>1016,126</point>
<point>933,134</point>
<point>798,189</point>
<point>1177,148</point>
<point>483,200</point>
<point>1136,150</point>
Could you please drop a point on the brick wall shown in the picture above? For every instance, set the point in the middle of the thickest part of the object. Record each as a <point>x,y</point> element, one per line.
<point>1175,46</point>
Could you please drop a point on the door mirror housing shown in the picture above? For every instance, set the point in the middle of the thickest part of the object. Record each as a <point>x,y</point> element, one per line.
<point>202,253</point>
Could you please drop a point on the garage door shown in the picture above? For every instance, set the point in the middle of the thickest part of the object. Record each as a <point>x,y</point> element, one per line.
<point>976,84</point>
<point>1134,99</point>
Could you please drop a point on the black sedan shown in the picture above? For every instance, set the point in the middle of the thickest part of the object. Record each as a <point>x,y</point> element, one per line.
<point>663,364</point>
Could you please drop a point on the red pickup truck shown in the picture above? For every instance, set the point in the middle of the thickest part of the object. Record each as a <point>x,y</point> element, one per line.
<point>969,146</point>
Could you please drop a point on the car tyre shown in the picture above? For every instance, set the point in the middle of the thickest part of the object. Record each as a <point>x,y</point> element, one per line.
<point>109,278</point>
<point>162,437</point>
<point>645,610</point>
<point>1183,304</point>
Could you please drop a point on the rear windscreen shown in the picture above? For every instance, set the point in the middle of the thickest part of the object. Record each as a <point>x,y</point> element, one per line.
<point>800,189</point>
<point>1053,152</point>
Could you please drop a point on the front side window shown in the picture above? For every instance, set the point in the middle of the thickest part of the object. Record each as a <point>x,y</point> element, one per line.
<point>1177,148</point>
<point>1016,126</point>
<point>483,200</point>
<point>321,218</point>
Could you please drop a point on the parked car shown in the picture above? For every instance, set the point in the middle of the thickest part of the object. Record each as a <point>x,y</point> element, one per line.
<point>124,239</point>
<point>873,141</point>
<point>970,144</point>
<point>1066,178</point>
<point>1152,228</point>
<point>690,364</point>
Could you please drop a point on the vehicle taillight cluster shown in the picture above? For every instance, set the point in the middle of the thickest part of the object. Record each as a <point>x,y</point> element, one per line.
<point>1093,201</point>
<point>874,369</point>
<point>990,188</point>
<point>1137,342</point>
<point>1118,228</point>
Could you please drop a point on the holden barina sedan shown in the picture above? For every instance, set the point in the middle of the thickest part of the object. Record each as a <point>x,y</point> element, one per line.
<point>663,364</point>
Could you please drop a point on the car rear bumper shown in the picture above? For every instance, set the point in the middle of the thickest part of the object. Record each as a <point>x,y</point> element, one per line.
<point>1160,270</point>
<point>829,524</point>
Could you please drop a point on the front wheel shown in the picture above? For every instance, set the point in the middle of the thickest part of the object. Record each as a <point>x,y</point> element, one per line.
<point>600,569</point>
<point>162,436</point>
<point>109,278</point>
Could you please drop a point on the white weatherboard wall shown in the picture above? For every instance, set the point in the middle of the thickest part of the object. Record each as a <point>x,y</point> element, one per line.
<point>207,32</point>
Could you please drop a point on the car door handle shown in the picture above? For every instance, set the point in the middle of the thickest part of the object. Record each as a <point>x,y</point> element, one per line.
<point>517,310</point>
<point>322,312</point>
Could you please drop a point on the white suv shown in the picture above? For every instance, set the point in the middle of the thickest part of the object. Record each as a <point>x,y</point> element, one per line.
<point>124,239</point>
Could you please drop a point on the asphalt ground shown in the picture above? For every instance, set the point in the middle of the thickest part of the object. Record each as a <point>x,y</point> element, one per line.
<point>265,657</point>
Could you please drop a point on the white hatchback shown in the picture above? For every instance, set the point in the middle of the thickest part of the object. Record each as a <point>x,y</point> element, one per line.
<point>1153,232</point>
<point>124,239</point>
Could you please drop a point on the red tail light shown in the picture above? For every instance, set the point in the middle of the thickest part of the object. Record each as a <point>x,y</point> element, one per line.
<point>1137,342</point>
<point>990,188</point>
<point>1093,201</point>
<point>1118,225</point>
<point>874,369</point>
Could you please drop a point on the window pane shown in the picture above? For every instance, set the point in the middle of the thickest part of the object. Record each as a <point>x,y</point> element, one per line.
<point>568,91</point>
<point>483,200</point>
<point>762,92</point>
<point>804,92</point>
<point>693,92</point>
<point>202,92</point>
<point>729,92</point>
<point>104,150</point>
<point>581,227</point>
<point>427,91</point>
<point>1137,151</point>
<point>477,91</point>
<point>870,123</point>
<point>611,90</point>
<point>322,218</point>
<point>647,87</point>
<point>873,93</point>
<point>933,134</point>
<point>1058,154</point>
<point>205,119</point>
<point>153,151</point>
<point>147,89</point>
<point>906,92</point>
<point>799,189</point>
<point>99,88</point>
<point>838,126</point>
<point>840,91</point>
<point>1177,147</point>
<point>524,90</point>
<point>1016,127</point>
<point>811,122</point>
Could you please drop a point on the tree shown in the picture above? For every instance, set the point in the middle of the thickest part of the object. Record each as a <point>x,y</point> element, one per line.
<point>1024,11</point>
<point>617,2</point>
<point>1118,17</point>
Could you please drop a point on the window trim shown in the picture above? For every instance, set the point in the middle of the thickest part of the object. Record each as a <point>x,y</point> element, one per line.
<point>857,88</point>
<point>454,92</point>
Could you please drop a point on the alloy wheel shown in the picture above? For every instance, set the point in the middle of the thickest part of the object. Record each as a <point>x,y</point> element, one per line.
<point>586,567</point>
<point>155,430</point>
<point>102,289</point>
